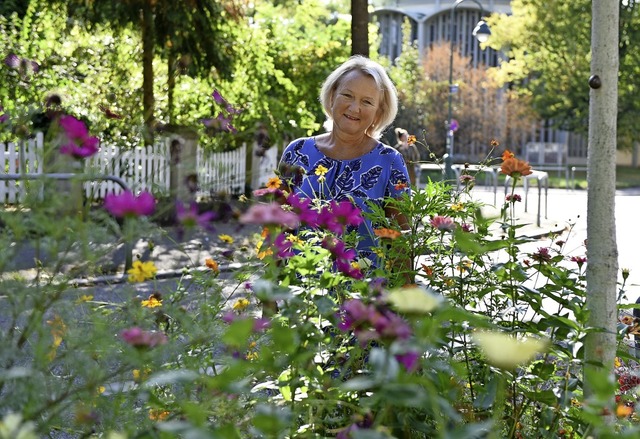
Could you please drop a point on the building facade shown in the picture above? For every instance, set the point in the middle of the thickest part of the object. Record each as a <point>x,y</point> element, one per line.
<point>431,23</point>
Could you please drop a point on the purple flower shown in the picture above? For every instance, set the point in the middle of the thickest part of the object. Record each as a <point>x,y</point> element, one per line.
<point>127,204</point>
<point>23,65</point>
<point>348,269</point>
<point>443,223</point>
<point>354,313</point>
<point>302,206</point>
<point>261,324</point>
<point>139,338</point>
<point>409,360</point>
<point>391,326</point>
<point>283,247</point>
<point>339,215</point>
<point>580,260</point>
<point>189,218</point>
<point>338,249</point>
<point>269,214</point>
<point>80,144</point>
<point>218,97</point>
<point>3,116</point>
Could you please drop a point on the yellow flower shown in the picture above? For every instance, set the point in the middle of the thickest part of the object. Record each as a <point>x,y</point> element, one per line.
<point>152,302</point>
<point>100,390</point>
<point>294,239</point>
<point>240,304</point>
<point>411,140</point>
<point>226,238</point>
<point>58,330</point>
<point>617,362</point>
<point>251,356</point>
<point>213,265</point>
<point>142,271</point>
<point>457,207</point>
<point>274,183</point>
<point>321,171</point>
<point>84,298</point>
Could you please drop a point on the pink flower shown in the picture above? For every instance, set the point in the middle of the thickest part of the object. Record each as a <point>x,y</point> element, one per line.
<point>139,338</point>
<point>127,204</point>
<point>443,223</point>
<point>191,218</point>
<point>580,260</point>
<point>80,144</point>
<point>514,198</point>
<point>270,214</point>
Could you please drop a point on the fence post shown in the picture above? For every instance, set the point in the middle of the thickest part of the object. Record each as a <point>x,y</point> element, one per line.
<point>183,172</point>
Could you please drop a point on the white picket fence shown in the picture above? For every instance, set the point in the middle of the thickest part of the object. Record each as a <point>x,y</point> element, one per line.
<point>141,168</point>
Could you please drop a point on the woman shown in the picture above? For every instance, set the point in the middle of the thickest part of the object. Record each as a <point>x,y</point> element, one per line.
<point>409,152</point>
<point>349,162</point>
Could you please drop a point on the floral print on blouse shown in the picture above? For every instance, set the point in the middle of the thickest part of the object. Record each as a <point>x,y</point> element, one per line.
<point>371,177</point>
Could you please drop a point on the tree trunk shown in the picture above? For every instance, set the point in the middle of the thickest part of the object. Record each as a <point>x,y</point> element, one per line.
<point>359,27</point>
<point>171,84</point>
<point>148,42</point>
<point>602,252</point>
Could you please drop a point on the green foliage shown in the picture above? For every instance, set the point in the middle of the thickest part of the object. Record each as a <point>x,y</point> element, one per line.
<point>548,45</point>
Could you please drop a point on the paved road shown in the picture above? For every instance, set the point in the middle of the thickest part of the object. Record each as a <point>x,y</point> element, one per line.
<point>570,207</point>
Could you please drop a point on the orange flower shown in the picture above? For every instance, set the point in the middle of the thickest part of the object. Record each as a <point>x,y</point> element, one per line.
<point>274,183</point>
<point>400,186</point>
<point>411,140</point>
<point>507,155</point>
<point>213,265</point>
<point>622,411</point>
<point>494,143</point>
<point>387,233</point>
<point>427,270</point>
<point>515,168</point>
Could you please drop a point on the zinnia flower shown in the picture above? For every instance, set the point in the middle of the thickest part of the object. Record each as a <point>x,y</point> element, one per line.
<point>387,233</point>
<point>270,214</point>
<point>443,223</point>
<point>213,265</point>
<point>154,301</point>
<point>127,204</point>
<point>514,167</point>
<point>139,338</point>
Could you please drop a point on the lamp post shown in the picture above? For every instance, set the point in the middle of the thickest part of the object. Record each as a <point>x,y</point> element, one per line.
<point>481,32</point>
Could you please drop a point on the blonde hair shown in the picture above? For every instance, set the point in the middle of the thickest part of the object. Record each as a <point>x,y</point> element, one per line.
<point>388,104</point>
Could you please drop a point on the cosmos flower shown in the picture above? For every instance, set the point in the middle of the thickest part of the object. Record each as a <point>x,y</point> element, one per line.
<point>126,204</point>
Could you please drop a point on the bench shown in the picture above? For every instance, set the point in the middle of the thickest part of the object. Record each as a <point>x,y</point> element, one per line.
<point>542,178</point>
<point>548,156</point>
<point>491,173</point>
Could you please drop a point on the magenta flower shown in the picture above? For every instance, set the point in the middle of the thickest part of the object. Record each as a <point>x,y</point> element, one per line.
<point>513,198</point>
<point>391,326</point>
<point>270,214</point>
<point>127,204</point>
<point>355,313</point>
<point>542,255</point>
<point>409,360</point>
<point>189,218</point>
<point>139,338</point>
<point>372,323</point>
<point>80,143</point>
<point>347,268</point>
<point>443,223</point>
<point>339,215</point>
<point>302,206</point>
<point>3,116</point>
<point>338,248</point>
<point>283,247</point>
<point>580,260</point>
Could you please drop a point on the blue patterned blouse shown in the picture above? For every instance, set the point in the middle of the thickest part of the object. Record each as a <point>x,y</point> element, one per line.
<point>370,178</point>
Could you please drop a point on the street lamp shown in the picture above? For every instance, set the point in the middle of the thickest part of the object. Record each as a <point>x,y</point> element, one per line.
<point>481,32</point>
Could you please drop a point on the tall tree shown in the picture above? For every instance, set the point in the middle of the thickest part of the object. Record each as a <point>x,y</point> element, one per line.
<point>546,43</point>
<point>195,28</point>
<point>602,267</point>
<point>360,27</point>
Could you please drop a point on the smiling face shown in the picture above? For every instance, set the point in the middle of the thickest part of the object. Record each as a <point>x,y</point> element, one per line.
<point>356,103</point>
